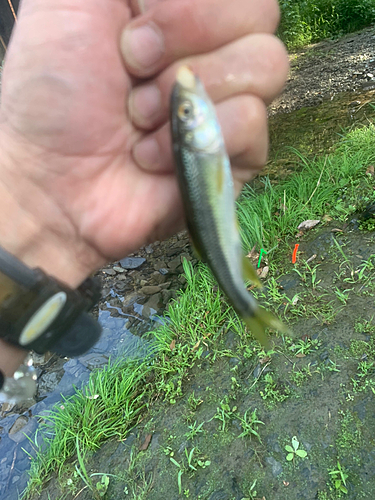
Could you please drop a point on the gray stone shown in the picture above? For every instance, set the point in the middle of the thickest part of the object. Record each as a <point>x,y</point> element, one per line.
<point>111,272</point>
<point>158,278</point>
<point>165,285</point>
<point>152,306</point>
<point>18,424</point>
<point>174,264</point>
<point>150,289</point>
<point>277,468</point>
<point>94,360</point>
<point>132,262</point>
<point>159,264</point>
<point>27,430</point>
<point>118,269</point>
<point>48,381</point>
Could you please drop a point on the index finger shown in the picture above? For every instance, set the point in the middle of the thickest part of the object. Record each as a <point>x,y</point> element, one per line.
<point>173,29</point>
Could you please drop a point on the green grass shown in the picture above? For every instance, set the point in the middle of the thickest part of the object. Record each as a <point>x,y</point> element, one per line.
<point>196,323</point>
<point>307,21</point>
<point>105,409</point>
<point>333,186</point>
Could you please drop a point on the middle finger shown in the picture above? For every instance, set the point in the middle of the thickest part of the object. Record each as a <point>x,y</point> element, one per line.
<point>255,64</point>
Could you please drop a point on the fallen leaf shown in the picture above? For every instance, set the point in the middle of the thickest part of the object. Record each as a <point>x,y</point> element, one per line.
<point>308,224</point>
<point>327,218</point>
<point>370,170</point>
<point>264,360</point>
<point>311,258</point>
<point>285,483</point>
<point>264,272</point>
<point>300,355</point>
<point>336,230</point>
<point>197,345</point>
<point>95,396</point>
<point>252,252</point>
<point>146,443</point>
<point>172,345</point>
<point>299,234</point>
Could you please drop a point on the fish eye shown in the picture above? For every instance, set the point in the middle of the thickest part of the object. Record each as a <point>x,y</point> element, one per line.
<point>185,111</point>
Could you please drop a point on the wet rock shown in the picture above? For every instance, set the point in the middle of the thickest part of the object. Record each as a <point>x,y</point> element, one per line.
<point>48,381</point>
<point>18,424</point>
<point>173,251</point>
<point>185,256</point>
<point>41,359</point>
<point>111,272</point>
<point>132,262</point>
<point>167,295</point>
<point>150,289</point>
<point>158,277</point>
<point>219,495</point>
<point>276,466</point>
<point>24,428</point>
<point>122,277</point>
<point>94,361</point>
<point>163,270</point>
<point>122,286</point>
<point>152,306</point>
<point>160,264</point>
<point>165,285</point>
<point>174,264</point>
<point>131,299</point>
<point>118,269</point>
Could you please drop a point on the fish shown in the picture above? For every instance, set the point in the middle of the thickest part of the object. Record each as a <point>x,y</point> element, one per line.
<point>206,184</point>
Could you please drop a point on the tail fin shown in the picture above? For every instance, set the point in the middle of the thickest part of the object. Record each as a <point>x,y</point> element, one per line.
<point>259,321</point>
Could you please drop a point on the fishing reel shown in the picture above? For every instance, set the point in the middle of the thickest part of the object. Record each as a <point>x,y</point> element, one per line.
<point>39,313</point>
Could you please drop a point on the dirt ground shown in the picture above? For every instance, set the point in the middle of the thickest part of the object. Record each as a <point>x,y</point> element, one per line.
<point>318,385</point>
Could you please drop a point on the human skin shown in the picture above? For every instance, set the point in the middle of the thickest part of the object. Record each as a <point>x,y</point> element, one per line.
<point>86,170</point>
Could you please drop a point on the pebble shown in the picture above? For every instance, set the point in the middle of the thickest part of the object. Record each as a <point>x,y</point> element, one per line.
<point>158,277</point>
<point>111,272</point>
<point>173,264</point>
<point>277,468</point>
<point>18,424</point>
<point>118,269</point>
<point>150,289</point>
<point>132,262</point>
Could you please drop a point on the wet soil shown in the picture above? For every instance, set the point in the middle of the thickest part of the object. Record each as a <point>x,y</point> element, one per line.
<point>317,385</point>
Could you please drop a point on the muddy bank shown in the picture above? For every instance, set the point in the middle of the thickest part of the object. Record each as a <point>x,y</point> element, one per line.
<point>325,69</point>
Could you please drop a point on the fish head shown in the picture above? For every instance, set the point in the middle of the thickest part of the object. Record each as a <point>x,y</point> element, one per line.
<point>193,116</point>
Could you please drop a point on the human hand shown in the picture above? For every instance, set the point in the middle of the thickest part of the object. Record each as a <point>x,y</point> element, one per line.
<point>74,119</point>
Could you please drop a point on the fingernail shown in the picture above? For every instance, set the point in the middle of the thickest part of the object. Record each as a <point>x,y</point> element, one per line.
<point>142,47</point>
<point>145,4</point>
<point>147,154</point>
<point>145,104</point>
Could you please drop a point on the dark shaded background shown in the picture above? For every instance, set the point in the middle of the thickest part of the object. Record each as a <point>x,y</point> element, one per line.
<point>6,23</point>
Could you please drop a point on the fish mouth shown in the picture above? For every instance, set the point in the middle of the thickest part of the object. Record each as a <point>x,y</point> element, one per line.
<point>186,78</point>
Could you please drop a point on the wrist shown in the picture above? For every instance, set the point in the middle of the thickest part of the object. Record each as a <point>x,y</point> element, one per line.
<point>32,226</point>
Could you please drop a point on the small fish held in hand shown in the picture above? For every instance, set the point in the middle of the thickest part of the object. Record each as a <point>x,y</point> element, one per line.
<point>206,184</point>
